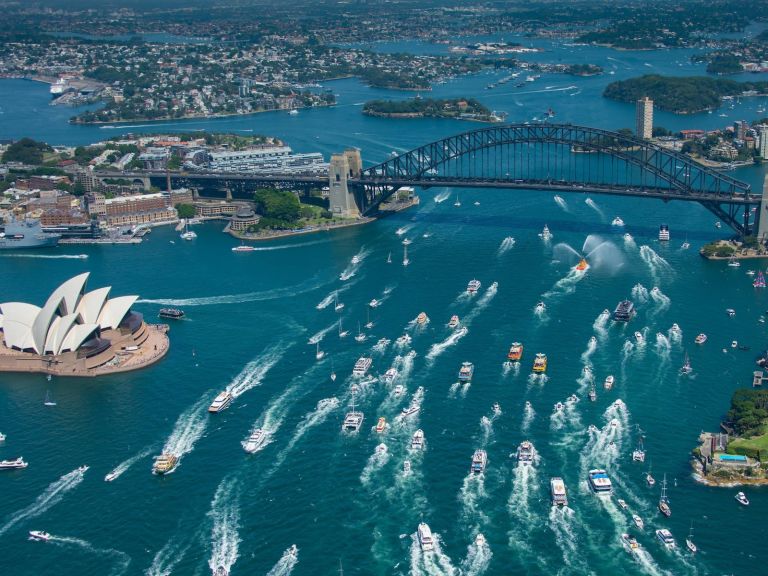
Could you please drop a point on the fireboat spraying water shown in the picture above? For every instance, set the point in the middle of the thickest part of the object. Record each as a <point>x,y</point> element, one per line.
<point>595,253</point>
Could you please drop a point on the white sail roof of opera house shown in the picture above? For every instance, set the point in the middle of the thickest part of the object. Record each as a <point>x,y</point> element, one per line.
<point>69,317</point>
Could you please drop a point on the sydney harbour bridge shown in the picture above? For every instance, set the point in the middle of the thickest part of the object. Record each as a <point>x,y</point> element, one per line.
<point>546,157</point>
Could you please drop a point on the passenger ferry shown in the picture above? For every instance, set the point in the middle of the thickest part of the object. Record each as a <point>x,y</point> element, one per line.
<point>609,380</point>
<point>665,536</point>
<point>243,248</point>
<point>557,492</point>
<point>466,371</point>
<point>479,461</point>
<point>525,453</point>
<point>164,464</point>
<point>624,311</point>
<point>422,318</point>
<point>362,366</point>
<point>221,402</point>
<point>256,440</point>
<point>600,483</point>
<point>171,313</point>
<point>454,322</point>
<point>417,440</point>
<point>664,233</point>
<point>473,286</point>
<point>515,352</point>
<point>381,425</point>
<point>540,363</point>
<point>352,421</point>
<point>18,463</point>
<point>425,538</point>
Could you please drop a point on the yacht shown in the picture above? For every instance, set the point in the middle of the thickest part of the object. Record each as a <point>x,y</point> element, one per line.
<point>624,311</point>
<point>664,233</point>
<point>319,353</point>
<point>83,469</point>
<point>638,521</point>
<point>243,248</point>
<point>622,504</point>
<point>525,453</point>
<point>638,454</point>
<point>342,333</point>
<point>164,464</point>
<point>361,366</point>
<point>540,308</point>
<point>665,536</point>
<point>686,367</point>
<point>458,202</point>
<point>407,242</point>
<point>741,498</point>
<point>675,329</point>
<point>381,425</point>
<point>479,461</point>
<point>599,482</point>
<point>731,312</point>
<point>733,263</point>
<point>422,318</point>
<point>111,476</point>
<point>188,234</point>
<point>352,421</point>
<point>221,402</point>
<point>454,322</point>
<point>406,261</point>
<point>628,237</point>
<point>425,538</point>
<point>256,440</point>
<point>617,221</point>
<point>417,440</point>
<point>18,463</point>
<point>515,352</point>
<point>473,286</point>
<point>685,245</point>
<point>39,536</point>
<point>466,371</point>
<point>540,363</point>
<point>545,234</point>
<point>630,543</point>
<point>410,410</point>
<point>401,231</point>
<point>557,492</point>
<point>609,380</point>
<point>404,340</point>
<point>383,342</point>
<point>689,541</point>
<point>359,337</point>
<point>701,338</point>
<point>171,313</point>
<point>559,407</point>
<point>663,502</point>
<point>356,259</point>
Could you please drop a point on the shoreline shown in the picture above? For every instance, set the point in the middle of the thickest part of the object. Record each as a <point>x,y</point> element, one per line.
<point>299,232</point>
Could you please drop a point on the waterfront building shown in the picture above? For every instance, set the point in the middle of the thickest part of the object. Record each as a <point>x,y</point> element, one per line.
<point>260,160</point>
<point>138,209</point>
<point>77,333</point>
<point>46,182</point>
<point>644,118</point>
<point>154,158</point>
<point>244,219</point>
<point>740,128</point>
<point>216,209</point>
<point>342,199</point>
<point>763,135</point>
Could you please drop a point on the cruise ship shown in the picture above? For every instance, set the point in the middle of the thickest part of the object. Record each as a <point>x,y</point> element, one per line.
<point>59,87</point>
<point>599,482</point>
<point>417,441</point>
<point>164,464</point>
<point>221,402</point>
<point>540,363</point>
<point>557,492</point>
<point>479,461</point>
<point>425,538</point>
<point>255,441</point>
<point>525,453</point>
<point>466,371</point>
<point>361,366</point>
<point>25,234</point>
<point>624,311</point>
<point>18,463</point>
<point>515,352</point>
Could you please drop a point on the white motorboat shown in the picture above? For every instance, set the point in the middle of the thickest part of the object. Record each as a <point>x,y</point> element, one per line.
<point>417,440</point>
<point>83,469</point>
<point>374,303</point>
<point>665,536</point>
<point>399,390</point>
<point>221,402</point>
<point>545,234</point>
<point>39,536</point>
<point>622,504</point>
<point>2,437</point>
<point>381,449</point>
<point>407,467</point>
<point>638,521</point>
<point>18,463</point>
<point>617,221</point>
<point>390,375</point>
<point>609,380</point>
<point>404,340</point>
<point>639,337</point>
<point>111,476</point>
<point>480,541</point>
<point>255,441</point>
<point>741,498</point>
<point>425,538</point>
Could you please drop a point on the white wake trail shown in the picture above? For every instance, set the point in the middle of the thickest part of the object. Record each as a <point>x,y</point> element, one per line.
<point>640,293</point>
<point>286,563</point>
<point>48,256</point>
<point>118,470</point>
<point>481,304</point>
<point>656,264</point>
<point>600,325</point>
<point>562,203</point>
<point>592,204</point>
<point>225,515</point>
<point>255,371</point>
<point>442,196</point>
<point>189,428</point>
<point>168,557</point>
<point>661,300</point>
<point>432,563</point>
<point>451,340</point>
<point>122,559</point>
<point>505,245</point>
<point>318,336</point>
<point>477,560</point>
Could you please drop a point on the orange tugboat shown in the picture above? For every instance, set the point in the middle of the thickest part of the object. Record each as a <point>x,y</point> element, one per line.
<point>582,265</point>
<point>515,352</point>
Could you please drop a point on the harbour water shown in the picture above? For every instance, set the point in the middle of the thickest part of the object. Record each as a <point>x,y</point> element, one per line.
<point>250,318</point>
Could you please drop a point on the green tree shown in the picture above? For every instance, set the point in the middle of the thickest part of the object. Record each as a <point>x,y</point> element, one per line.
<point>185,210</point>
<point>26,151</point>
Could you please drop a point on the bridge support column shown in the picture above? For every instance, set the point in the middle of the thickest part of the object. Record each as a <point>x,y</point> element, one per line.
<point>342,167</point>
<point>762,214</point>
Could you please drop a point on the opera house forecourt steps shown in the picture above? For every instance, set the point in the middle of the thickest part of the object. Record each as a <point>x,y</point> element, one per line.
<point>78,333</point>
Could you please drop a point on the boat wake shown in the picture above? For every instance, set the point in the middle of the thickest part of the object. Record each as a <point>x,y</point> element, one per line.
<point>662,346</point>
<point>169,556</point>
<point>562,203</point>
<point>563,523</point>
<point>51,496</point>
<point>626,352</point>
<point>441,347</point>
<point>318,336</point>
<point>48,256</point>
<point>524,490</point>
<point>311,419</point>
<point>640,293</point>
<point>629,242</point>
<point>118,470</point>
<point>600,325</point>
<point>376,462</point>
<point>325,302</point>
<point>587,354</point>
<point>592,204</point>
<point>477,560</point>
<point>286,563</point>
<point>568,417</point>
<point>432,563</point>
<point>255,371</point>
<point>505,245</point>
<point>656,264</point>
<point>537,379</point>
<point>442,196</point>
<point>566,285</point>
<point>660,300</point>
<point>481,304</point>
<point>189,428</point>
<point>471,497</point>
<point>122,560</point>
<point>486,425</point>
<point>528,416</point>
<point>225,515</point>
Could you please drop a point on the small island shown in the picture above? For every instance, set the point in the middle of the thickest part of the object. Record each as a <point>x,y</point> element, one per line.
<point>682,95</point>
<point>458,108</point>
<point>738,454</point>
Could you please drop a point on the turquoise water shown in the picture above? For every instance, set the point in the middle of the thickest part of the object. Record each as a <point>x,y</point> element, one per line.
<point>250,317</point>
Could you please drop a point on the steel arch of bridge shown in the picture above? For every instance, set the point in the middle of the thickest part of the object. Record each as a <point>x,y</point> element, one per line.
<point>473,159</point>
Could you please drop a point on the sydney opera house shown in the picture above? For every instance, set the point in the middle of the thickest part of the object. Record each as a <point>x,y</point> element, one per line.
<point>78,333</point>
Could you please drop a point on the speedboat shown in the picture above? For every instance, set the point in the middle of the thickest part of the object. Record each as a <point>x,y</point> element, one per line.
<point>39,536</point>
<point>675,329</point>
<point>741,498</point>
<point>559,406</point>
<point>515,352</point>
<point>18,463</point>
<point>407,467</point>
<point>374,303</point>
<point>407,242</point>
<point>638,521</point>
<point>731,312</point>
<point>454,322</point>
<point>540,308</point>
<point>525,453</point>
<point>111,476</point>
<point>665,536</point>
<point>558,492</point>
<point>592,428</point>
<point>383,342</point>
<point>685,245</point>
<point>381,449</point>
<point>404,340</point>
<point>649,479</point>
<point>422,318</point>
<point>255,441</point>
<point>599,482</point>
<point>609,380</point>
<point>480,541</point>
<point>545,234</point>
<point>614,423</point>
<point>83,469</point>
<point>617,221</point>
<point>473,286</point>
<point>540,363</point>
<point>381,425</point>
<point>701,338</point>
<point>479,461</point>
<point>622,504</point>
<point>628,237</point>
<point>2,437</point>
<point>221,402</point>
<point>220,571</point>
<point>417,440</point>
<point>496,408</point>
<point>164,464</point>
<point>390,375</point>
<point>425,538</point>
<point>466,371</point>
<point>639,337</point>
<point>399,390</point>
<point>410,410</point>
<point>733,263</point>
<point>690,544</point>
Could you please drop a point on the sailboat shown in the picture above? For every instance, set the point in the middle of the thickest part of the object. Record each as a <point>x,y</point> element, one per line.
<point>457,203</point>
<point>638,454</point>
<point>389,258</point>
<point>49,399</point>
<point>319,354</point>
<point>338,306</point>
<point>369,323</point>
<point>360,336</point>
<point>342,333</point>
<point>759,281</point>
<point>686,367</point>
<point>689,541</point>
<point>405,256</point>
<point>333,372</point>
<point>187,234</point>
<point>648,477</point>
<point>663,503</point>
